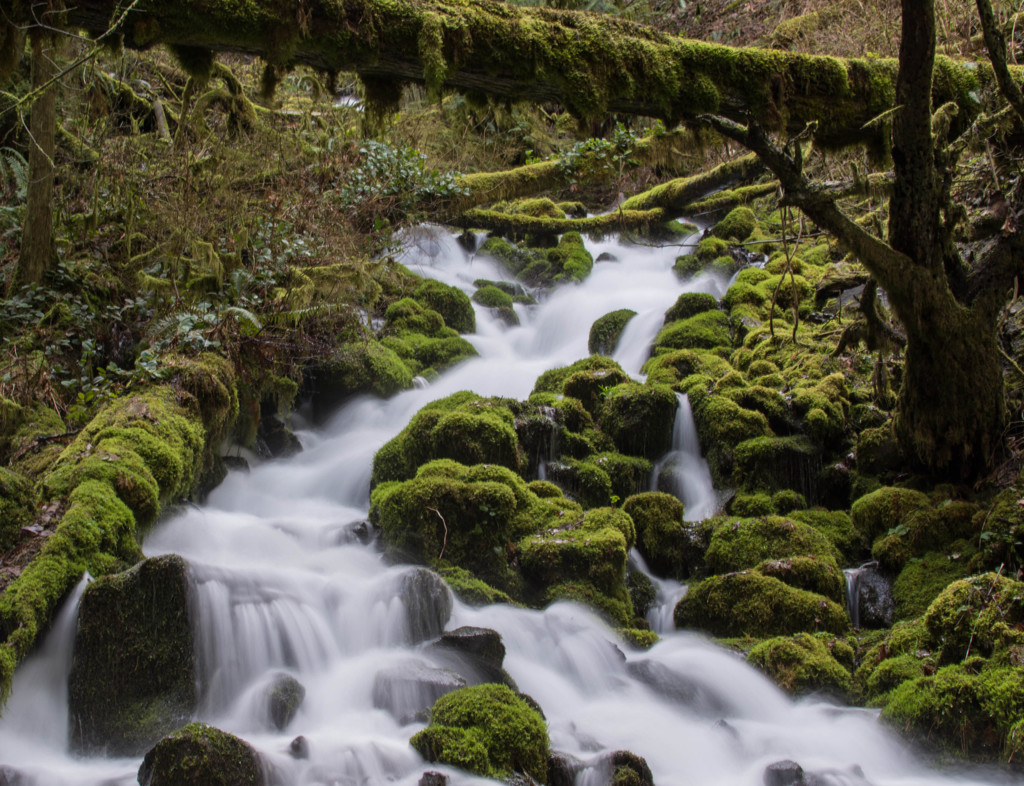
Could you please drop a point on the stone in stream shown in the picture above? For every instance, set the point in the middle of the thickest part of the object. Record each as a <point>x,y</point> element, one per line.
<point>133,675</point>
<point>408,690</point>
<point>299,748</point>
<point>201,754</point>
<point>432,778</point>
<point>284,696</point>
<point>476,653</point>
<point>11,777</point>
<point>428,604</point>
<point>562,769</point>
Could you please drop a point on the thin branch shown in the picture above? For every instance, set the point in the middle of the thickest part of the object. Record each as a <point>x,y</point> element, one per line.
<point>996,45</point>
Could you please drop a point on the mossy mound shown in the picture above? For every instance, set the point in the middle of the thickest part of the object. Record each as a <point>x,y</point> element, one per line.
<point>466,516</point>
<point>472,590</point>
<point>737,224</point>
<point>357,367</point>
<point>705,330</point>
<point>689,304</point>
<point>1001,529</point>
<point>450,302</point>
<point>17,506</point>
<point>607,330</point>
<point>803,663</point>
<point>512,258</point>
<point>425,355</point>
<point>591,387</point>
<point>820,575</point>
<point>743,543</point>
<point>670,367</point>
<point>722,425</point>
<point>464,427</point>
<point>661,537</point>
<point>581,480</point>
<point>133,677</point>
<point>749,604</point>
<point>982,615</point>
<point>199,753</point>
<point>492,297</point>
<point>886,509</point>
<point>923,578</point>
<point>639,418</point>
<point>488,730</point>
<point>553,380</point>
<point>837,526</point>
<point>569,260</point>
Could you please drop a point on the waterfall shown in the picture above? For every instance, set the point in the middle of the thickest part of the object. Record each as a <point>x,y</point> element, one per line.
<point>683,472</point>
<point>284,587</point>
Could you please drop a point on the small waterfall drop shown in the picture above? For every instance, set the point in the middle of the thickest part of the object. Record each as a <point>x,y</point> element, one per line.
<point>683,472</point>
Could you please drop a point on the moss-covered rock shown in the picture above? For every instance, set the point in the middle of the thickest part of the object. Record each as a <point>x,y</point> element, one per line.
<point>838,528</point>
<point>133,677</point>
<point>357,367</point>
<point>803,663</point>
<point>689,304</point>
<point>552,381</point>
<point>737,224</point>
<point>749,604</point>
<point>774,463</point>
<point>464,427</point>
<point>582,481</point>
<point>17,506</point>
<point>492,297</point>
<point>570,260</point>
<point>606,331</point>
<point>722,425</point>
<point>591,387</point>
<point>450,302</point>
<point>670,367</point>
<point>982,615</point>
<point>488,730</point>
<point>705,330</point>
<point>198,753</point>
<point>816,574</point>
<point>639,418</point>
<point>661,537</point>
<point>743,543</point>
<point>923,578</point>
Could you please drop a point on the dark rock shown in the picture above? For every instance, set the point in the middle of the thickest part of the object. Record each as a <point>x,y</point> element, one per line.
<point>274,439</point>
<point>428,604</point>
<point>133,675</point>
<point>432,778</point>
<point>299,748</point>
<point>784,773</point>
<point>628,769</point>
<point>409,689</point>
<point>477,650</point>
<point>284,696</point>
<point>201,754</point>
<point>677,687</point>
<point>11,777</point>
<point>236,463</point>
<point>874,606</point>
<point>562,769</point>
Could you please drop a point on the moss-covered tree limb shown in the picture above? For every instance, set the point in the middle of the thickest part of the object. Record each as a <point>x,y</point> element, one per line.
<point>676,195</point>
<point>589,63</point>
<point>522,224</point>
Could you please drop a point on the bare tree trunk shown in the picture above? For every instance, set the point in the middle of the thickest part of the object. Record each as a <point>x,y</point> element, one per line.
<point>37,232</point>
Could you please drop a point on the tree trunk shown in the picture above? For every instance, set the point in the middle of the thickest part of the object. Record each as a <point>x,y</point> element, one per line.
<point>37,232</point>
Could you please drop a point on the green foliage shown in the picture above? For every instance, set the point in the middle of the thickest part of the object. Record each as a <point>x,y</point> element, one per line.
<point>737,225</point>
<point>486,729</point>
<point>594,157</point>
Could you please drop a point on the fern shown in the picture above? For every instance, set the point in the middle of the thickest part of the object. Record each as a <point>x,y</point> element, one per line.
<point>13,174</point>
<point>250,323</point>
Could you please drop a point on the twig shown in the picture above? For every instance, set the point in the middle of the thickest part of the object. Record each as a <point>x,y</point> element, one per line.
<point>444,543</point>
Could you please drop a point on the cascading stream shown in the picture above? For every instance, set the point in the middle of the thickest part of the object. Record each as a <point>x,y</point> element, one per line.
<point>286,586</point>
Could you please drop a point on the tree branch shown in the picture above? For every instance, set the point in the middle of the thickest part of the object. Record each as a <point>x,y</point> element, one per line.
<point>996,45</point>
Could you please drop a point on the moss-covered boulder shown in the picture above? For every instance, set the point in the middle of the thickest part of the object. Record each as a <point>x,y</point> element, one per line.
<point>450,302</point>
<point>570,260</point>
<point>356,367</point>
<point>661,537</point>
<point>837,526</point>
<point>774,463</point>
<point>705,330</point>
<point>804,663</point>
<point>737,224</point>
<point>464,427</point>
<point>488,730</point>
<point>553,380</point>
<point>982,615</point>
<point>283,698</point>
<point>198,753</point>
<point>888,508</point>
<point>133,677</point>
<point>17,506</point>
<point>606,331</point>
<point>465,516</point>
<point>816,574</point>
<point>749,604</point>
<point>689,304</point>
<point>722,425</point>
<point>639,418</point>
<point>490,296</point>
<point>743,543</point>
<point>924,578</point>
<point>671,367</point>
<point>582,481</point>
<point>591,387</point>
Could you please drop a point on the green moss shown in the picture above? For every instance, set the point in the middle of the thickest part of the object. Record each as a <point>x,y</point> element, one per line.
<point>488,730</point>
<point>776,463</point>
<point>638,638</point>
<point>689,304</point>
<point>706,330</point>
<point>802,664</point>
<point>816,574</point>
<point>606,331</point>
<point>709,248</point>
<point>923,578</point>
<point>661,538</point>
<point>360,367</point>
<point>737,224</point>
<point>17,506</point>
<point>749,604</point>
<point>410,316</point>
<point>628,474</point>
<point>615,607</point>
<point>552,381</point>
<point>787,500</point>
<point>747,505</point>
<point>514,259</point>
<point>570,260</point>
<point>889,509</point>
<point>591,387</point>
<point>722,425</point>
<point>450,302</point>
<point>639,418</point>
<point>576,550</point>
<point>743,543</point>
<point>582,480</point>
<point>198,753</point>
<point>472,590</point>
<point>492,297</point>
<point>837,527</point>
<point>982,615</point>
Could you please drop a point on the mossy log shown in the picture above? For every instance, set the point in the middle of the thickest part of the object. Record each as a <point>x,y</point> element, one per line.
<point>592,64</point>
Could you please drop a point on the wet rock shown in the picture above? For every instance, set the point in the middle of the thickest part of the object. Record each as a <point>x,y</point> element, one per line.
<point>201,754</point>
<point>299,748</point>
<point>784,773</point>
<point>284,697</point>
<point>433,779</point>
<point>133,675</point>
<point>11,777</point>
<point>479,651</point>
<point>628,769</point>
<point>677,687</point>
<point>407,690</point>
<point>275,439</point>
<point>236,463</point>
<point>873,595</point>
<point>428,603</point>
<point>562,769</point>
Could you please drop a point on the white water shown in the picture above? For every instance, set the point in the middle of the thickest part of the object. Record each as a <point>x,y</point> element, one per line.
<point>284,587</point>
<point>683,472</point>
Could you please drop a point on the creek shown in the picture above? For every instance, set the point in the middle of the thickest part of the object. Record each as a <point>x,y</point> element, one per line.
<point>285,583</point>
